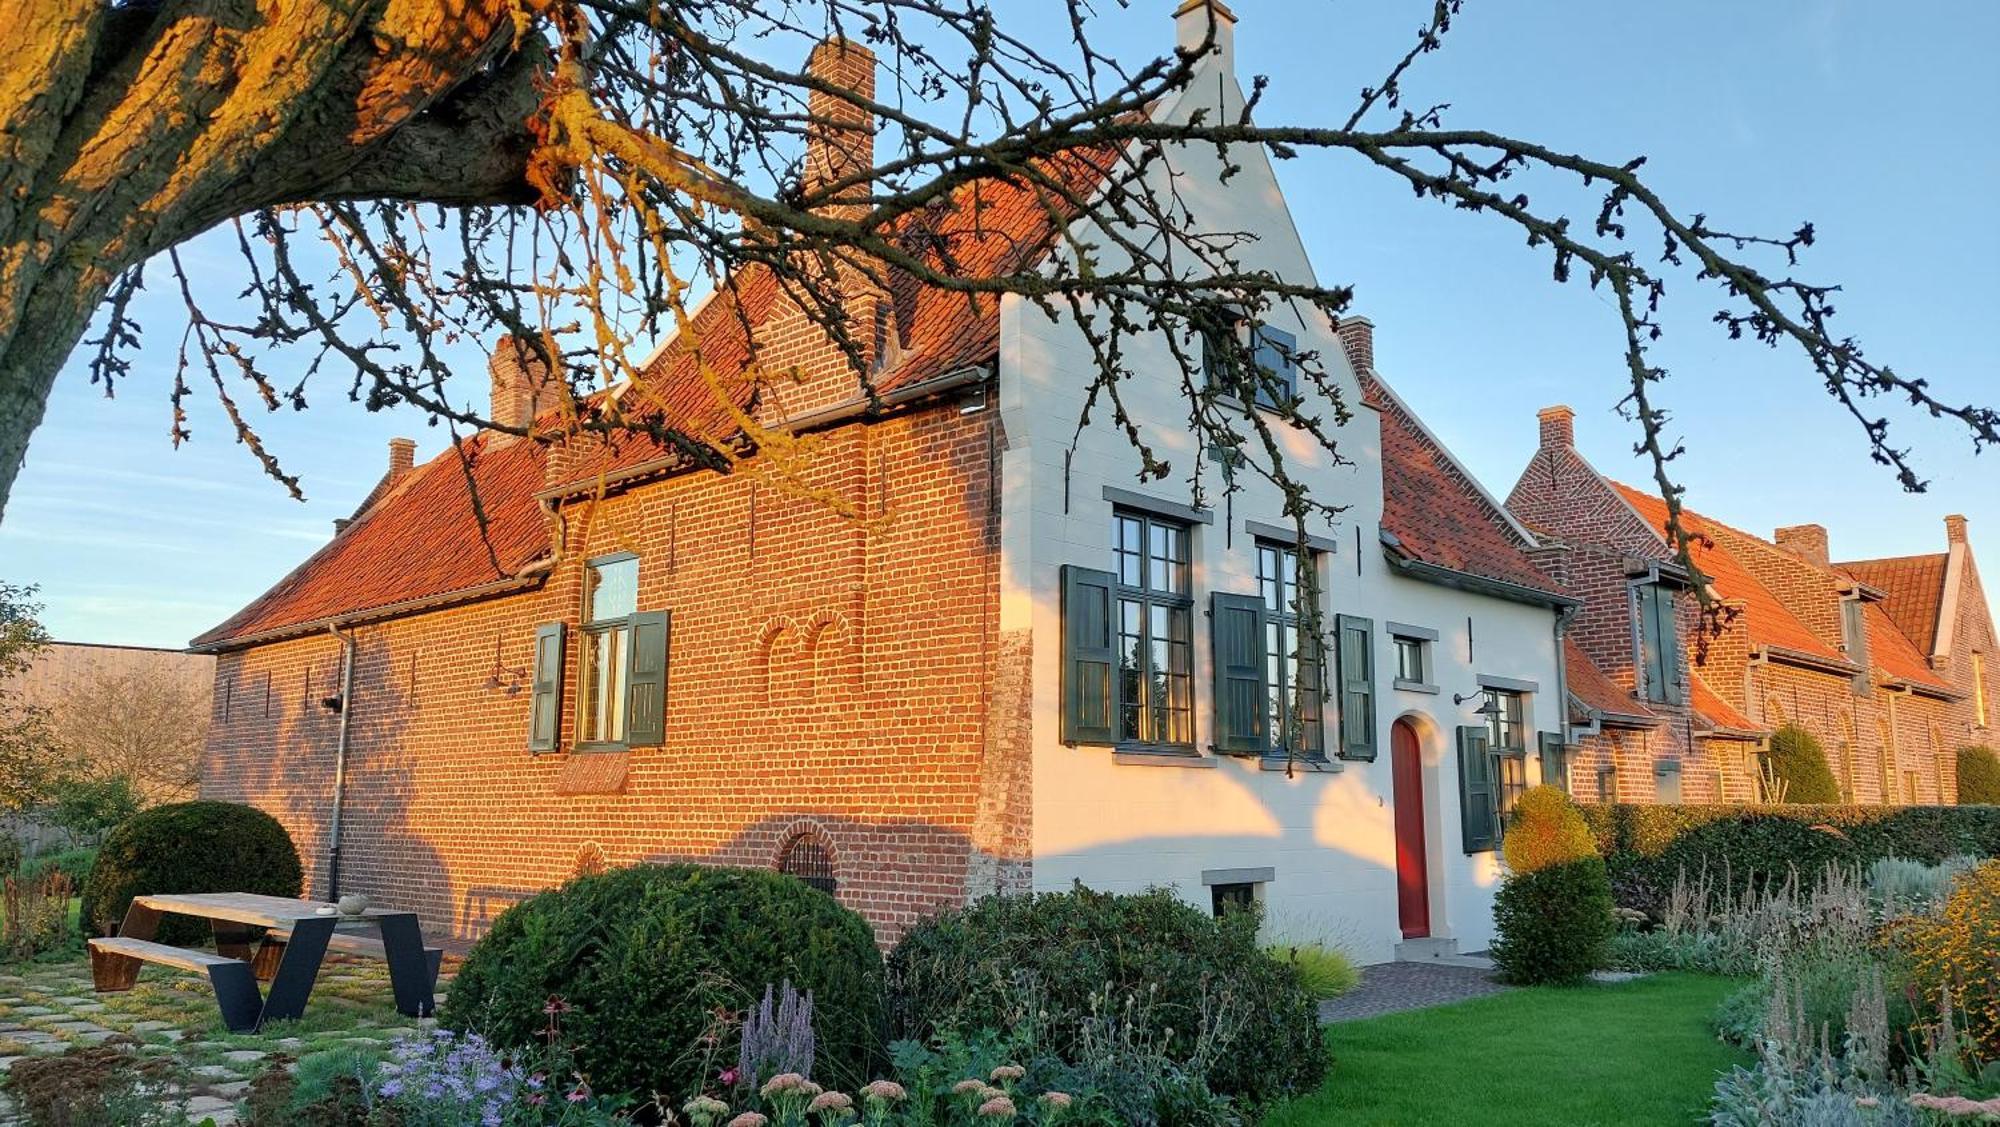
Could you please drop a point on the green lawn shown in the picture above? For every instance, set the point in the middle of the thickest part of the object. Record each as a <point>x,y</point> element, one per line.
<point>1635,1053</point>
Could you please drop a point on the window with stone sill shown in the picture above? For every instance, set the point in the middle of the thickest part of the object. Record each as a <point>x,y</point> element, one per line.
<point>1508,744</point>
<point>1155,631</point>
<point>610,598</point>
<point>1295,695</point>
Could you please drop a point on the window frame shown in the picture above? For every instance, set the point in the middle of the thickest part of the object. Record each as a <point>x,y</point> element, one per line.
<point>1254,339</point>
<point>1148,598</point>
<point>1981,718</point>
<point>589,630</point>
<point>1281,697</point>
<point>1510,760</point>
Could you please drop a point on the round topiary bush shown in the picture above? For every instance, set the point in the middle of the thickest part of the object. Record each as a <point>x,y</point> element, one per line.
<point>1796,758</point>
<point>1978,777</point>
<point>1552,916</point>
<point>188,847</point>
<point>646,955</point>
<point>1059,960</point>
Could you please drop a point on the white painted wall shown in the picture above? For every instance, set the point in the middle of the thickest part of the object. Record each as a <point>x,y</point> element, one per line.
<point>1329,836</point>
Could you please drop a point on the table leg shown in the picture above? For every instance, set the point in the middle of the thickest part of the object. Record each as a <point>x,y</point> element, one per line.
<point>297,968</point>
<point>409,969</point>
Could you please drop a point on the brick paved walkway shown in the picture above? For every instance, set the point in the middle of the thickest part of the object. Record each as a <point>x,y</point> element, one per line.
<point>1388,988</point>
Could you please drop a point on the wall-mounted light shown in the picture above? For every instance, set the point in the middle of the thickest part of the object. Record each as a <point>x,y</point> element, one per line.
<point>332,704</point>
<point>1488,707</point>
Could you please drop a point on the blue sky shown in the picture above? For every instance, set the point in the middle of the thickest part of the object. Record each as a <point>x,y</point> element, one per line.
<point>1861,117</point>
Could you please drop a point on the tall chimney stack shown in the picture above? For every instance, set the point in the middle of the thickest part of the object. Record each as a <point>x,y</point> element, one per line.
<point>1806,541</point>
<point>1954,529</point>
<point>402,456</point>
<point>1192,23</point>
<point>1357,339</point>
<point>1558,425</point>
<point>520,384</point>
<point>840,138</point>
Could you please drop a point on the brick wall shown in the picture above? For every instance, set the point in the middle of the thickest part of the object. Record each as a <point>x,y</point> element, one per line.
<point>828,675</point>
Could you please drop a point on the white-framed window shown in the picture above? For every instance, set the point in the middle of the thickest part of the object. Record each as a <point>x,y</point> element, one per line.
<point>1155,599</point>
<point>610,598</point>
<point>1295,694</point>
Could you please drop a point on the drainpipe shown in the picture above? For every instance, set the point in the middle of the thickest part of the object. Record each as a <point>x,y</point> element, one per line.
<point>339,760</point>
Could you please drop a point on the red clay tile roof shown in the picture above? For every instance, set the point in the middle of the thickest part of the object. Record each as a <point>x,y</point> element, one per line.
<point>1914,589</point>
<point>422,541</point>
<point>1432,506</point>
<point>1596,691</point>
<point>1765,619</point>
<point>1891,652</point>
<point>1715,712</point>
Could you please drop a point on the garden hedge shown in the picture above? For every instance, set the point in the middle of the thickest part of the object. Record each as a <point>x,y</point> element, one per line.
<point>1978,776</point>
<point>1056,960</point>
<point>188,847</point>
<point>1646,847</point>
<point>646,956</point>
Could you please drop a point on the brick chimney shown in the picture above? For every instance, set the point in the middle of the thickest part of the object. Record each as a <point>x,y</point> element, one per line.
<point>1806,541</point>
<point>1192,21</point>
<point>1558,425</point>
<point>1357,339</point>
<point>1954,529</point>
<point>402,456</point>
<point>840,138</point>
<point>520,384</point>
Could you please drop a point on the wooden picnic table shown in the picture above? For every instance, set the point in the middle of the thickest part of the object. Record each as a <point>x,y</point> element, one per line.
<point>292,938</point>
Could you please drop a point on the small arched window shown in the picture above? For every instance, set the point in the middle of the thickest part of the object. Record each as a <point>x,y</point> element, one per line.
<point>809,861</point>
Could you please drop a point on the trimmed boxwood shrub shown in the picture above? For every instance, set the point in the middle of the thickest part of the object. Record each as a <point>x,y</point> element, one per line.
<point>1797,758</point>
<point>74,863</point>
<point>1042,958</point>
<point>646,955</point>
<point>1978,776</point>
<point>1552,916</point>
<point>188,847</point>
<point>1646,847</point>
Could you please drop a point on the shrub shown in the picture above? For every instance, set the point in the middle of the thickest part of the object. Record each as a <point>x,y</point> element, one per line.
<point>72,863</point>
<point>188,847</point>
<point>1797,759</point>
<point>1978,776</point>
<point>1958,950</point>
<point>1201,988</point>
<point>1545,830</point>
<point>10,855</point>
<point>1553,925</point>
<point>37,911</point>
<point>646,955</point>
<point>1902,887</point>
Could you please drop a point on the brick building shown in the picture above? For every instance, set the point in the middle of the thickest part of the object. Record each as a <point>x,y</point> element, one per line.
<point>919,650</point>
<point>1669,709</point>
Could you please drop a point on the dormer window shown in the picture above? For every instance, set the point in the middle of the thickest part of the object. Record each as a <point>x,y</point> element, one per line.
<point>1273,381</point>
<point>1659,642</point>
<point>1854,639</point>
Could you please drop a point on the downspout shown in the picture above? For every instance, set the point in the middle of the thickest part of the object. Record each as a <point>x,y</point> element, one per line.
<point>1562,675</point>
<point>339,760</point>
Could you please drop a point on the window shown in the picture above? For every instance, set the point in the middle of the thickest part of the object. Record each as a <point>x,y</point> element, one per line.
<point>1507,741</point>
<point>1854,639</point>
<point>1910,786</point>
<point>1154,631</point>
<point>1410,662</point>
<point>809,861</point>
<point>1273,356</point>
<point>1667,782</point>
<point>1659,642</point>
<point>1979,715</point>
<point>1225,898</point>
<point>610,598</point>
<point>1555,761</point>
<point>1294,712</point>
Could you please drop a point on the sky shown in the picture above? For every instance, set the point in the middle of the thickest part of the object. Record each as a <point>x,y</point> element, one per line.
<point>1866,119</point>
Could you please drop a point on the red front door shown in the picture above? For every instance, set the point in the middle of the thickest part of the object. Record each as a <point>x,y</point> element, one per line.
<point>1413,897</point>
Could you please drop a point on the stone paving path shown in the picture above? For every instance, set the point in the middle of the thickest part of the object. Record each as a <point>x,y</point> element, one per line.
<point>48,1008</point>
<point>1388,988</point>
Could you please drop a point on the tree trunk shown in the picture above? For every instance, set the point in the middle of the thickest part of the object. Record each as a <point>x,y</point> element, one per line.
<point>127,130</point>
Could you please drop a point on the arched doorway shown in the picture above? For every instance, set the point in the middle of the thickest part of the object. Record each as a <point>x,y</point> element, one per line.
<point>1413,879</point>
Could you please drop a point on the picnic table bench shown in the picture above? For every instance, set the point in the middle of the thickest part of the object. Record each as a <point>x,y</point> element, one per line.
<point>292,938</point>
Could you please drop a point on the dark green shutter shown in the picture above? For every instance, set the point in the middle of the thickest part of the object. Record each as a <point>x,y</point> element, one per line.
<point>1090,656</point>
<point>1555,761</point>
<point>1478,811</point>
<point>1242,700</point>
<point>545,699</point>
<point>646,681</point>
<point>1357,686</point>
<point>1670,644</point>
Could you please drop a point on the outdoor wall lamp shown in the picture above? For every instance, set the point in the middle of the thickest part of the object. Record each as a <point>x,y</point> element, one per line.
<point>1488,707</point>
<point>332,704</point>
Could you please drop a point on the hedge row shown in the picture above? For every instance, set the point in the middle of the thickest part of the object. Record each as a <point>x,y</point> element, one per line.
<point>1646,848</point>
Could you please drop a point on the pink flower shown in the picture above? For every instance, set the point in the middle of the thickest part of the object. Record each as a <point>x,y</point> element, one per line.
<point>999,1107</point>
<point>785,1082</point>
<point>831,1101</point>
<point>1008,1072</point>
<point>968,1087</point>
<point>1057,1100</point>
<point>749,1119</point>
<point>884,1091</point>
<point>727,1078</point>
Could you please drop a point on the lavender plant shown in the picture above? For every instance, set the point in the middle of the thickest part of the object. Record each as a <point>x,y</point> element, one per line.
<point>777,1038</point>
